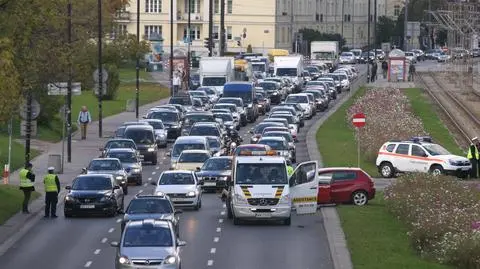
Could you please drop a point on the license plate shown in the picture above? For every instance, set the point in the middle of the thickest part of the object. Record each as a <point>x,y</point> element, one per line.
<point>465,168</point>
<point>210,184</point>
<point>263,215</point>
<point>176,199</point>
<point>87,206</point>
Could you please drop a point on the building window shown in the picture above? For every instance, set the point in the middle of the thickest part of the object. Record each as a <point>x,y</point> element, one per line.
<point>229,6</point>
<point>153,6</point>
<point>150,29</point>
<point>317,17</point>
<point>194,32</point>
<point>122,29</point>
<point>229,33</point>
<point>216,6</point>
<point>321,17</point>
<point>194,6</point>
<point>396,10</point>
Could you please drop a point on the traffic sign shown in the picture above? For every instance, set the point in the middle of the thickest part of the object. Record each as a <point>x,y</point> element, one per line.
<point>35,110</point>
<point>104,75</point>
<point>359,120</point>
<point>61,88</point>
<point>96,88</point>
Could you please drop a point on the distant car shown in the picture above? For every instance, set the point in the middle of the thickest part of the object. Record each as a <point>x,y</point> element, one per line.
<point>253,149</point>
<point>144,138</point>
<point>182,186</point>
<point>215,172</point>
<point>345,185</point>
<point>94,194</point>
<point>131,162</point>
<point>117,143</point>
<point>152,207</point>
<point>160,131</point>
<point>347,58</point>
<point>111,166</point>
<point>192,159</point>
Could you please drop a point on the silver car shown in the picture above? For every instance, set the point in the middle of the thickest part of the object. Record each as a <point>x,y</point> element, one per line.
<point>160,131</point>
<point>131,162</point>
<point>148,243</point>
<point>111,166</point>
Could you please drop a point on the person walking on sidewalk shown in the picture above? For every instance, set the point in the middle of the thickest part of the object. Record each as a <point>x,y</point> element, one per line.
<point>84,119</point>
<point>411,72</point>
<point>27,178</point>
<point>384,68</point>
<point>52,188</point>
<point>177,83</point>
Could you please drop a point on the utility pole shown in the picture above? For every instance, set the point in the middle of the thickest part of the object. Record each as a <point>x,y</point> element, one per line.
<point>189,39</point>
<point>68,109</point>
<point>222,28</point>
<point>368,41</point>
<point>210,28</point>
<point>430,28</point>
<point>375,28</point>
<point>137,81</point>
<point>28,127</point>
<point>405,26</point>
<point>353,23</point>
<point>292,22</point>
<point>343,16</point>
<point>100,69</point>
<point>171,47</point>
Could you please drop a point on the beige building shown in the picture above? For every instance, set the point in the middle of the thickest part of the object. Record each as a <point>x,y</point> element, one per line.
<point>267,23</point>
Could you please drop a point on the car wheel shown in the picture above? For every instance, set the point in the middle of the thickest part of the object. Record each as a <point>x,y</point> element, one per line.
<point>238,128</point>
<point>197,206</point>
<point>288,221</point>
<point>437,170</point>
<point>125,189</point>
<point>387,170</point>
<point>67,215</point>
<point>113,212</point>
<point>236,221</point>
<point>139,181</point>
<point>200,204</point>
<point>360,198</point>
<point>154,160</point>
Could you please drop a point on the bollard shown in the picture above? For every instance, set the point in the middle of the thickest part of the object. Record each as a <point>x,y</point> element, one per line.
<point>6,174</point>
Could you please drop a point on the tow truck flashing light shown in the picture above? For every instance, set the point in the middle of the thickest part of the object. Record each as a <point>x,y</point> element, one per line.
<point>257,153</point>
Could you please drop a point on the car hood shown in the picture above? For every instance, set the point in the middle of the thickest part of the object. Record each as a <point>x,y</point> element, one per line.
<point>175,188</point>
<point>220,173</point>
<point>160,132</point>
<point>188,166</point>
<point>130,165</point>
<point>89,194</point>
<point>452,157</point>
<point>108,172</point>
<point>152,253</point>
<point>169,124</point>
<point>144,146</point>
<point>168,216</point>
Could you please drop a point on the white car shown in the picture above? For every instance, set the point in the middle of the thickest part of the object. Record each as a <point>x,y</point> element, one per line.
<point>420,154</point>
<point>303,101</point>
<point>192,159</point>
<point>347,58</point>
<point>411,56</point>
<point>344,81</point>
<point>182,186</point>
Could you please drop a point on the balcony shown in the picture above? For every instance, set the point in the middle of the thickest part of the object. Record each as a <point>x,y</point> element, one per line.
<point>122,15</point>
<point>194,17</point>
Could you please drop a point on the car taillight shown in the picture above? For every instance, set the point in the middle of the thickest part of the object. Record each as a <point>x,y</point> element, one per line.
<point>294,136</point>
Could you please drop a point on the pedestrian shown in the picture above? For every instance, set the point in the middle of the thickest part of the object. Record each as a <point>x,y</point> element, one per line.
<point>474,157</point>
<point>384,69</point>
<point>177,83</point>
<point>290,169</point>
<point>52,188</point>
<point>83,120</point>
<point>27,178</point>
<point>372,72</point>
<point>411,72</point>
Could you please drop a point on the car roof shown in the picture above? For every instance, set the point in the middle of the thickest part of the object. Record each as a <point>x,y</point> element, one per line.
<point>297,94</point>
<point>139,127</point>
<point>195,151</point>
<point>95,175</point>
<point>276,132</point>
<point>151,120</point>
<point>177,172</point>
<point>224,104</point>
<point>203,123</point>
<point>275,138</point>
<point>149,196</point>
<point>188,139</point>
<point>149,222</point>
<point>252,146</point>
<point>221,157</point>
<point>259,159</point>
<point>121,150</point>
<point>339,169</point>
<point>105,159</point>
<point>120,140</point>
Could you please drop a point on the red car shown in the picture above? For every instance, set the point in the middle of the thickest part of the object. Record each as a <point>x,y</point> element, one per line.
<point>345,185</point>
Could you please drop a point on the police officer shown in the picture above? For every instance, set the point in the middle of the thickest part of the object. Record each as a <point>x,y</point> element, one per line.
<point>27,178</point>
<point>474,157</point>
<point>289,168</point>
<point>52,188</point>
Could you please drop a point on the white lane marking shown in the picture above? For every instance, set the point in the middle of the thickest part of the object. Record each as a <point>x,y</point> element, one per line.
<point>220,220</point>
<point>119,220</point>
<point>111,230</point>
<point>210,262</point>
<point>97,251</point>
<point>216,239</point>
<point>224,206</point>
<point>213,250</point>
<point>219,229</point>
<point>104,240</point>
<point>145,184</point>
<point>158,167</point>
<point>149,178</point>
<point>140,191</point>
<point>153,173</point>
<point>222,213</point>
<point>164,158</point>
<point>88,264</point>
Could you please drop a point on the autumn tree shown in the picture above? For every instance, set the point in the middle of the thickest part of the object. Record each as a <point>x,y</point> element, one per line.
<point>9,81</point>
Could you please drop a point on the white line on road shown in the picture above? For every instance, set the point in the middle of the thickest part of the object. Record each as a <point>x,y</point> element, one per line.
<point>88,264</point>
<point>111,230</point>
<point>97,251</point>
<point>149,178</point>
<point>145,184</point>
<point>216,239</point>
<point>104,240</point>
<point>140,191</point>
<point>222,213</point>
<point>158,167</point>
<point>153,173</point>
<point>219,229</point>
<point>210,262</point>
<point>213,250</point>
<point>119,220</point>
<point>220,220</point>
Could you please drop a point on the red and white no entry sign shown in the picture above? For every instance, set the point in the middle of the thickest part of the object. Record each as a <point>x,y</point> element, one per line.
<point>359,120</point>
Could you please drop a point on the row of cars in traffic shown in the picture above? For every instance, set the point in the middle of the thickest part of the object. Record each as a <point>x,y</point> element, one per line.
<point>207,154</point>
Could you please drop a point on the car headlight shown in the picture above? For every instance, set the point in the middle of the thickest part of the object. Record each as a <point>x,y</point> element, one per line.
<point>191,194</point>
<point>136,170</point>
<point>170,260</point>
<point>160,193</point>
<point>118,177</point>
<point>123,260</point>
<point>285,199</point>
<point>174,126</point>
<point>453,162</point>
<point>222,178</point>
<point>151,149</point>
<point>239,199</point>
<point>70,199</point>
<point>254,139</point>
<point>275,93</point>
<point>106,198</point>
<point>249,105</point>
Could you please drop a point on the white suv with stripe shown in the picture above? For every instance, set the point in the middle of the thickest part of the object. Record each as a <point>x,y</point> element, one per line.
<point>260,189</point>
<point>420,154</point>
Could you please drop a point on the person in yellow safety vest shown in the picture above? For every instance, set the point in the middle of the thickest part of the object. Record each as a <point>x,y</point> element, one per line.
<point>52,188</point>
<point>474,157</point>
<point>27,178</point>
<point>289,168</point>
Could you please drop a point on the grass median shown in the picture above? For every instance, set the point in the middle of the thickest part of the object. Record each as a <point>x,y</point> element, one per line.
<point>11,201</point>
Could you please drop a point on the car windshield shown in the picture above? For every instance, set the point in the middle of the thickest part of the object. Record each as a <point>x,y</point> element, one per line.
<point>346,54</point>
<point>209,91</point>
<point>302,99</point>
<point>288,118</point>
<point>178,148</point>
<point>316,94</point>
<point>217,164</point>
<point>213,142</point>
<point>157,125</point>
<point>120,145</point>
<point>285,135</point>
<point>245,95</point>
<point>274,144</point>
<point>409,54</point>
<point>312,69</point>
<point>104,165</point>
<point>184,101</point>
<point>147,237</point>
<point>124,157</point>
<point>191,157</point>
<point>165,116</point>
<point>315,83</point>
<point>198,93</point>
<point>149,206</point>
<point>140,136</point>
<point>283,109</point>
<point>333,76</point>
<point>211,81</point>
<point>195,77</point>
<point>356,52</point>
<point>258,67</point>
<point>176,179</point>
<point>92,184</point>
<point>190,119</point>
<point>268,86</point>
<point>224,116</point>
<point>289,72</point>
<point>120,131</point>
<point>204,131</point>
<point>229,107</point>
<point>237,102</point>
<point>435,149</point>
<point>261,173</point>
<point>342,76</point>
<point>259,129</point>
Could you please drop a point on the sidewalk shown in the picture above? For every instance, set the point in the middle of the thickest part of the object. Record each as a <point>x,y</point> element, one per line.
<point>82,152</point>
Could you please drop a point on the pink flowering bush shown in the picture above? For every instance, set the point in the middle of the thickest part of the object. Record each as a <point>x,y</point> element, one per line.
<point>389,117</point>
<point>442,216</point>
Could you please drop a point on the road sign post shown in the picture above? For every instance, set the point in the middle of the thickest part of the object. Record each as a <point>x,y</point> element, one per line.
<point>359,121</point>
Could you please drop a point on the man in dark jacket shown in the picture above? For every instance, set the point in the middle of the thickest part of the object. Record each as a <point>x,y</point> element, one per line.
<point>385,68</point>
<point>473,156</point>
<point>411,72</point>
<point>27,178</point>
<point>52,188</point>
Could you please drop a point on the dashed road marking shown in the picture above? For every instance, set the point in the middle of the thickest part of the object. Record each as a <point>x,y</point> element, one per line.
<point>111,230</point>
<point>213,250</point>
<point>158,167</point>
<point>149,178</point>
<point>88,264</point>
<point>145,184</point>
<point>140,191</point>
<point>220,220</point>
<point>222,213</point>
<point>104,240</point>
<point>216,239</point>
<point>219,229</point>
<point>210,262</point>
<point>97,251</point>
<point>153,173</point>
<point>119,220</point>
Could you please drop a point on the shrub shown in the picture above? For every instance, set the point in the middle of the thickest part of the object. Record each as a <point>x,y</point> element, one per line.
<point>389,116</point>
<point>442,217</point>
<point>113,82</point>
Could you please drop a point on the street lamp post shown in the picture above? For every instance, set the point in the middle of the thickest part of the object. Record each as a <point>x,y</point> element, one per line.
<point>137,91</point>
<point>171,48</point>
<point>100,69</point>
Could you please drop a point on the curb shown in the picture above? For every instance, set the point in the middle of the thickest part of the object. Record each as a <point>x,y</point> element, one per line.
<point>337,243</point>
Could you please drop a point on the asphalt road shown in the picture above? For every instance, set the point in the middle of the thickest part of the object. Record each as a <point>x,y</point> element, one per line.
<point>212,240</point>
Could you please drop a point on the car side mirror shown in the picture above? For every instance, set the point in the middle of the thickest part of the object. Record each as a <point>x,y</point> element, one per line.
<point>116,187</point>
<point>197,169</point>
<point>200,182</point>
<point>68,187</point>
<point>101,149</point>
<point>168,154</point>
<point>181,243</point>
<point>178,211</point>
<point>114,244</point>
<point>153,183</point>
<point>84,170</point>
<point>144,117</point>
<point>251,131</point>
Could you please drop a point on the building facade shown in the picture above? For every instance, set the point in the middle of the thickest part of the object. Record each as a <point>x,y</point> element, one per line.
<point>267,24</point>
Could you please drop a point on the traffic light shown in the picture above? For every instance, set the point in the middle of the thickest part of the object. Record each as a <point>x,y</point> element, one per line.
<point>239,43</point>
<point>207,42</point>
